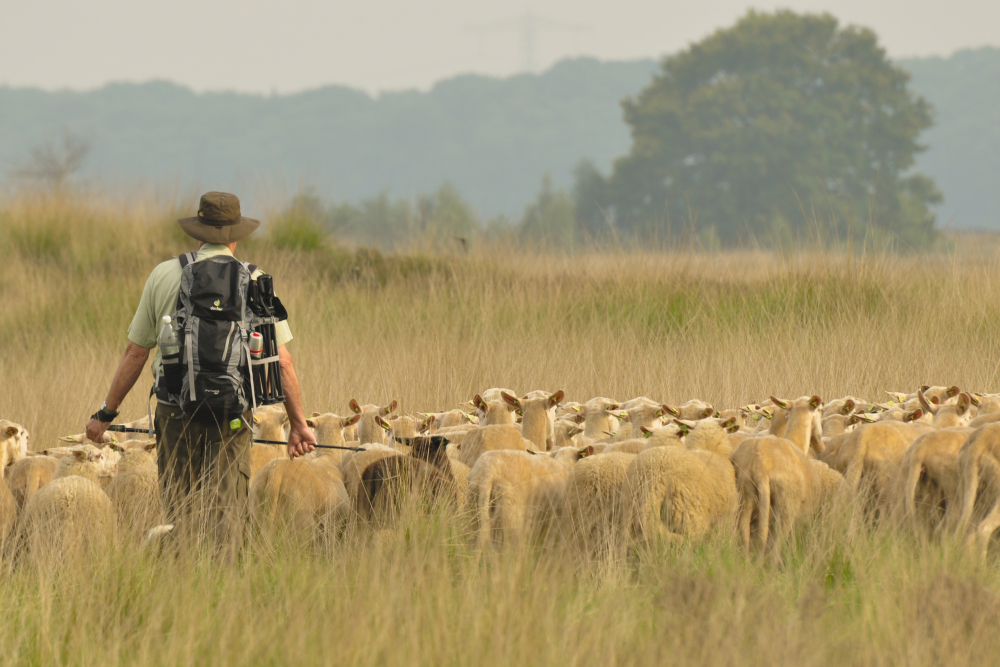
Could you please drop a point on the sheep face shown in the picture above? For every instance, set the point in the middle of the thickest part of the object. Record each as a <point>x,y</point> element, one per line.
<point>372,427</point>
<point>13,443</point>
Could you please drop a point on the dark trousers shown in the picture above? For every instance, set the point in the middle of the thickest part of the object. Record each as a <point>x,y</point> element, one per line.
<point>204,474</point>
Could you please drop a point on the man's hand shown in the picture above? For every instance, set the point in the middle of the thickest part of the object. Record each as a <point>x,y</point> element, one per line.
<point>301,441</point>
<point>96,429</point>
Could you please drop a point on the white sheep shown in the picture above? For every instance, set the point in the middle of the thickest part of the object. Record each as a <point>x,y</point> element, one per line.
<point>372,427</point>
<point>677,492</point>
<point>514,494</point>
<point>306,494</point>
<point>28,475</point>
<point>487,439</point>
<point>66,516</point>
<point>13,443</point>
<point>331,430</point>
<point>135,491</point>
<point>537,422</point>
<point>591,512</point>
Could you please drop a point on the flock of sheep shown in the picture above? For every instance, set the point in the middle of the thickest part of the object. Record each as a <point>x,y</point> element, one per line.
<point>596,475</point>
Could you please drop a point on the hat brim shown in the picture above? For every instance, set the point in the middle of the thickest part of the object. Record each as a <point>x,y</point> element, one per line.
<point>203,230</point>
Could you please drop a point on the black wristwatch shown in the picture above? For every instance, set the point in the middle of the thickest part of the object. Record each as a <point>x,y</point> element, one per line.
<point>105,415</point>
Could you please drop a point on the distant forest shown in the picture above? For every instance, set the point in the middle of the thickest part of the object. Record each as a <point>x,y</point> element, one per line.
<point>493,140</point>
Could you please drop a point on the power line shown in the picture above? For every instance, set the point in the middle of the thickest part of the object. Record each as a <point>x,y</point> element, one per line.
<point>529,26</point>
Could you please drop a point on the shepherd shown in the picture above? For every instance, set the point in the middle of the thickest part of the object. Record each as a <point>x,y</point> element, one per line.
<point>205,398</point>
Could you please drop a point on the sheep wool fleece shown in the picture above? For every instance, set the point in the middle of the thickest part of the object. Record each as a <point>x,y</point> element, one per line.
<point>204,471</point>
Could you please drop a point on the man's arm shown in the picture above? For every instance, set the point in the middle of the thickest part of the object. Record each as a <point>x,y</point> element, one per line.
<point>128,372</point>
<point>300,439</point>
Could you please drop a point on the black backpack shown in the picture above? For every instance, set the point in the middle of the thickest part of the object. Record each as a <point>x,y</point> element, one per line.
<point>210,379</point>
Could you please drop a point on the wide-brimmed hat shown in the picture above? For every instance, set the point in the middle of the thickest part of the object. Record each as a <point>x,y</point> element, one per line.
<point>219,219</point>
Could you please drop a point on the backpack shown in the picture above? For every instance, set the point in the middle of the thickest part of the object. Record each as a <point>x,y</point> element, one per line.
<point>211,379</point>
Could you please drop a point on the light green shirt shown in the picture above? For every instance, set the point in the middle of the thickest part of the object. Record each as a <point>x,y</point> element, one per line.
<point>159,298</point>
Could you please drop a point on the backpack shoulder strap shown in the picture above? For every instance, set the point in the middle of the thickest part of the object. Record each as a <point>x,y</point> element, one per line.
<point>188,258</point>
<point>250,267</point>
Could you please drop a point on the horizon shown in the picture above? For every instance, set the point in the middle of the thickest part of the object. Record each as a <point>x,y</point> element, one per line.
<point>420,89</point>
<point>392,46</point>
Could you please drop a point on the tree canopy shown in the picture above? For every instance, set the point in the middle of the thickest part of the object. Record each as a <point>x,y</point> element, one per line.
<point>781,124</point>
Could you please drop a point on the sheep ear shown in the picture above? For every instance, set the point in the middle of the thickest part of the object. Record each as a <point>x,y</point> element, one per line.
<point>848,407</point>
<point>149,446</point>
<point>729,422</point>
<point>913,416</point>
<point>646,431</point>
<point>556,398</point>
<point>353,405</point>
<point>780,403</point>
<point>952,391</point>
<point>964,401</point>
<point>381,422</point>
<point>311,423</point>
<point>573,430</point>
<point>315,414</point>
<point>707,412</point>
<point>468,416</point>
<point>660,412</point>
<point>815,402</point>
<point>11,431</point>
<point>975,400</point>
<point>733,428</point>
<point>576,408</point>
<point>426,423</point>
<point>510,400</point>
<point>79,454</point>
<point>115,447</point>
<point>585,452</point>
<point>389,409</point>
<point>673,412</point>
<point>349,421</point>
<point>71,438</point>
<point>683,426</point>
<point>478,402</point>
<point>613,406</point>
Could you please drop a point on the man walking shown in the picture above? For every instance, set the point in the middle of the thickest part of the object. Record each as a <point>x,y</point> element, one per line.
<point>203,459</point>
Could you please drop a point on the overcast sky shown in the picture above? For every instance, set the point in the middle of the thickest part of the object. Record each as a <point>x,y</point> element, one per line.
<point>291,45</point>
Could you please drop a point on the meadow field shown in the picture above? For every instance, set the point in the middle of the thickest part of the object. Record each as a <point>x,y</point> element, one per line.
<point>431,329</point>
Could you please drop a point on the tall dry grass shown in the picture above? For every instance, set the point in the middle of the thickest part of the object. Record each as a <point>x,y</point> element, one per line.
<point>430,331</point>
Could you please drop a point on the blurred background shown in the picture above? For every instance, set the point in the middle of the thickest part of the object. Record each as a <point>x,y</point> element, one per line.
<point>397,124</point>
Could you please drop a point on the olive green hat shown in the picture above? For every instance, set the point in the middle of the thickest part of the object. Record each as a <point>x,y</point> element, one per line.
<point>219,220</point>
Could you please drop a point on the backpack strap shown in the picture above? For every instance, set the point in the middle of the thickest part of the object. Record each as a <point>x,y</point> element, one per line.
<point>251,267</point>
<point>187,258</point>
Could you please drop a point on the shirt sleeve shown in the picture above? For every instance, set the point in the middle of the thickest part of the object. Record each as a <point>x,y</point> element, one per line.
<point>142,331</point>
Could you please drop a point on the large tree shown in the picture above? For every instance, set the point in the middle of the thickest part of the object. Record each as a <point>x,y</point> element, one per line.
<point>783,125</point>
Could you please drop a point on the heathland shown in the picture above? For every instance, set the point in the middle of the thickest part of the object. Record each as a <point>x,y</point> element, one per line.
<point>430,329</point>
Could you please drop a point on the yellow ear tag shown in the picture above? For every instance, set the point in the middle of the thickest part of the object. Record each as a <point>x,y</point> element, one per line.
<point>235,424</point>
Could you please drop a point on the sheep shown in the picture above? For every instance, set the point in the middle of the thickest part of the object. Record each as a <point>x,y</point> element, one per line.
<point>953,415</point>
<point>28,475</point>
<point>872,453</point>
<point>135,491</point>
<point>331,431</point>
<point>306,494</point>
<point>988,404</point>
<point>841,407</point>
<point>353,465</point>
<point>928,476</point>
<point>487,439</point>
<point>565,434</point>
<point>536,426</point>
<point>8,514</point>
<point>67,515</point>
<point>267,425</point>
<point>13,443</point>
<point>693,410</point>
<point>802,422</point>
<point>369,429</point>
<point>976,512</point>
<point>513,494</point>
<point>599,418</point>
<point>777,485</point>
<point>491,413</point>
<point>88,462</point>
<point>680,492</point>
<point>448,419</point>
<point>392,481</point>
<point>591,511</point>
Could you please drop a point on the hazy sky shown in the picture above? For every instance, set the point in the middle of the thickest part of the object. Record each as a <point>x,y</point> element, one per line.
<point>252,45</point>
